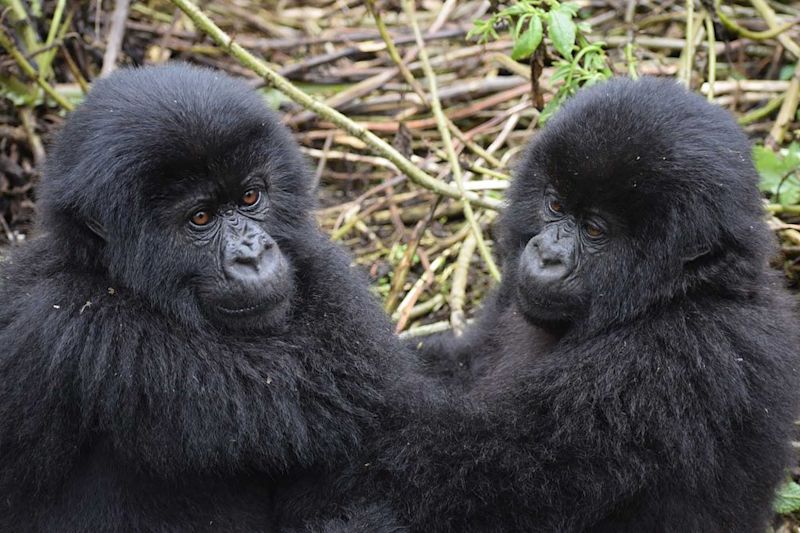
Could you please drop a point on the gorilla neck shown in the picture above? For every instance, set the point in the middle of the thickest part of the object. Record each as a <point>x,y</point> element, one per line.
<point>172,399</point>
<point>553,327</point>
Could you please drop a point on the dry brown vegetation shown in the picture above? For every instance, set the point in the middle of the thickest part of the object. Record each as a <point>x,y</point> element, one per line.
<point>417,244</point>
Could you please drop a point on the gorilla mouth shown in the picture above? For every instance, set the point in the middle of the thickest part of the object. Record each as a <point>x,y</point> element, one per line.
<point>252,309</point>
<point>538,306</point>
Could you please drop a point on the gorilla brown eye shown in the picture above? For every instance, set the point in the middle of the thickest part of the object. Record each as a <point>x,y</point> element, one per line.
<point>251,197</point>
<point>201,218</point>
<point>593,230</point>
<point>555,206</point>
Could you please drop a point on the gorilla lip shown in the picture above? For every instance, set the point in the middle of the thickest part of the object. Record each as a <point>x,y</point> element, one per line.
<point>245,310</point>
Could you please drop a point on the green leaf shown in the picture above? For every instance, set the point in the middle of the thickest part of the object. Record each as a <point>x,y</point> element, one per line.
<point>549,109</point>
<point>529,40</point>
<point>789,193</point>
<point>770,166</point>
<point>562,31</point>
<point>563,69</point>
<point>570,8</point>
<point>518,27</point>
<point>788,498</point>
<point>480,29</point>
<point>593,79</point>
<point>793,155</point>
<point>775,171</point>
<point>519,8</point>
<point>274,98</point>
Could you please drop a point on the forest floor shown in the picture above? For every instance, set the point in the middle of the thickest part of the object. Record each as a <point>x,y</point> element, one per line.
<point>416,245</point>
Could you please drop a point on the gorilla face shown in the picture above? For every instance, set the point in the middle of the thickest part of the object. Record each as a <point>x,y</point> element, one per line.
<point>551,279</point>
<point>214,229</point>
<point>247,280</point>
<point>614,213</point>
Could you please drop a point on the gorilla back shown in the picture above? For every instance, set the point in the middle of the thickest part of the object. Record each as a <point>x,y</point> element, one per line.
<point>643,357</point>
<point>181,337</point>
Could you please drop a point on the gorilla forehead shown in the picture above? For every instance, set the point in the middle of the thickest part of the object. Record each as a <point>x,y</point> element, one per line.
<point>627,146</point>
<point>192,109</point>
<point>158,122</point>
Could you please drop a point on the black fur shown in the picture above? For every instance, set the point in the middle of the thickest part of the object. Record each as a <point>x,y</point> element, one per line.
<point>667,405</point>
<point>121,405</point>
<point>364,518</point>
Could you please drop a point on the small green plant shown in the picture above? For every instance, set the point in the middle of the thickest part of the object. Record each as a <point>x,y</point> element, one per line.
<point>579,62</point>
<point>780,173</point>
<point>787,500</point>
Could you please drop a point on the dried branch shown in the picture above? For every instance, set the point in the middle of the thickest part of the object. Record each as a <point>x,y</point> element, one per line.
<point>436,106</point>
<point>283,85</point>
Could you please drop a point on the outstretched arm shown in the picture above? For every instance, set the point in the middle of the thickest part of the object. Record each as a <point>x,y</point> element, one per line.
<point>457,361</point>
<point>563,445</point>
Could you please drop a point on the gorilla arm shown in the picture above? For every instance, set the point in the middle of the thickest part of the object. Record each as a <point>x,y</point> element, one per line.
<point>458,362</point>
<point>570,438</point>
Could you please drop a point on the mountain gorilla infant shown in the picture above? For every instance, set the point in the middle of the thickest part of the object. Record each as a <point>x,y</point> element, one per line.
<point>637,368</point>
<point>181,339</point>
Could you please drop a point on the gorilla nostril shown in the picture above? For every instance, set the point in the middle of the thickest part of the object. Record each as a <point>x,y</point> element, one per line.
<point>547,256</point>
<point>251,259</point>
<point>248,254</point>
<point>551,260</point>
<point>266,241</point>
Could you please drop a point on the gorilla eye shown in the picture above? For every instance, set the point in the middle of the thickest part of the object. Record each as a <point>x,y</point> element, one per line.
<point>593,230</point>
<point>251,197</point>
<point>201,218</point>
<point>555,206</point>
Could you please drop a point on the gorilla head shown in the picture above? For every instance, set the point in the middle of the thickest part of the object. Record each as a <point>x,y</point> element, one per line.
<point>193,170</point>
<point>619,207</point>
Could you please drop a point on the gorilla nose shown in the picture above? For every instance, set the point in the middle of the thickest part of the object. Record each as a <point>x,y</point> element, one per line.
<point>250,251</point>
<point>250,259</point>
<point>546,260</point>
<point>250,256</point>
<point>549,257</point>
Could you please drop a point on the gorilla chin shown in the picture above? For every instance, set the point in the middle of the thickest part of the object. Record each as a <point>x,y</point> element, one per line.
<point>545,305</point>
<point>261,305</point>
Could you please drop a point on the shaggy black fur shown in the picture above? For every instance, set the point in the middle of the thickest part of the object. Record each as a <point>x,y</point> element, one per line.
<point>665,401</point>
<point>125,403</point>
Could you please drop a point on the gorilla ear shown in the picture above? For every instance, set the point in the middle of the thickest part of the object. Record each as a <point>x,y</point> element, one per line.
<point>97,228</point>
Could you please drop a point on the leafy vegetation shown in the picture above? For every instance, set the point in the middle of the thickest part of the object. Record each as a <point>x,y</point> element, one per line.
<point>579,63</point>
<point>788,498</point>
<point>780,173</point>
